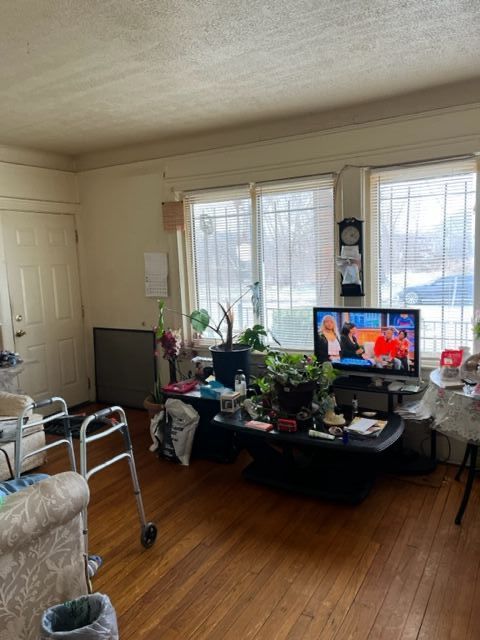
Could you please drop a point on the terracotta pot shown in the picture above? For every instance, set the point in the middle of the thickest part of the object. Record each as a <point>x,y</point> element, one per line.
<point>152,407</point>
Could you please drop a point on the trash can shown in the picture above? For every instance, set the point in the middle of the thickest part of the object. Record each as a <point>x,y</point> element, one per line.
<point>89,617</point>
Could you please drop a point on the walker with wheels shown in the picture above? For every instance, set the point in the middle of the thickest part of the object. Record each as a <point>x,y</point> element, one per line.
<point>115,420</point>
<point>116,417</point>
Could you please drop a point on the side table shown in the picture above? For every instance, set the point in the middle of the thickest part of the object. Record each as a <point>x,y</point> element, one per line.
<point>458,414</point>
<point>210,442</point>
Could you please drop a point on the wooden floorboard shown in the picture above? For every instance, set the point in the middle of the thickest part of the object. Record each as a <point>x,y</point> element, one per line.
<point>239,561</point>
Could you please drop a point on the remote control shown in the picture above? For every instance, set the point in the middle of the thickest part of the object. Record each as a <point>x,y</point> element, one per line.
<point>320,434</point>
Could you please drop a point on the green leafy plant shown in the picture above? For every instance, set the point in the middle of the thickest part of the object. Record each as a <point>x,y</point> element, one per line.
<point>476,325</point>
<point>264,385</point>
<point>293,369</point>
<point>201,320</point>
<point>292,375</point>
<point>253,336</point>
<point>157,395</point>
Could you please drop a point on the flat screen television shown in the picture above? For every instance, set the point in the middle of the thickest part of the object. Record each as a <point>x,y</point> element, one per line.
<point>370,342</point>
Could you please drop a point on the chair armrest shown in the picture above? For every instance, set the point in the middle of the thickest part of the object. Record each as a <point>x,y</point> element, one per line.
<point>29,513</point>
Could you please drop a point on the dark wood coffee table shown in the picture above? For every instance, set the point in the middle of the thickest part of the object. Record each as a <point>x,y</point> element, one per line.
<point>328,469</point>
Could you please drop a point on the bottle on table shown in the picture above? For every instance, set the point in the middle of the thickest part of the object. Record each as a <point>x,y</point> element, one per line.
<point>241,385</point>
<point>354,406</point>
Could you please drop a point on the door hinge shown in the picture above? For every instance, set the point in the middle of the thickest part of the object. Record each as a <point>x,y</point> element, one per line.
<point>89,383</point>
<point>76,236</point>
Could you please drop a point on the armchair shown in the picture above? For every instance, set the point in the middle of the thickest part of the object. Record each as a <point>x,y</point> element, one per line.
<point>42,555</point>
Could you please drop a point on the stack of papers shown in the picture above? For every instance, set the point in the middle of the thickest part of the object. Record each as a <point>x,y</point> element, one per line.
<point>366,428</point>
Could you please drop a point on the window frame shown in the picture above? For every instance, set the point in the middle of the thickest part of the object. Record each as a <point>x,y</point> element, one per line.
<point>429,360</point>
<point>257,268</point>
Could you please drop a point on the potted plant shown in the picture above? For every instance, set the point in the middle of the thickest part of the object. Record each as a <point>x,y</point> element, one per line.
<point>170,340</point>
<point>232,352</point>
<point>297,378</point>
<point>153,403</point>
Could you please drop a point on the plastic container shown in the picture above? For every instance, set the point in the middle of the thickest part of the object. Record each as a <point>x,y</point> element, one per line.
<point>241,385</point>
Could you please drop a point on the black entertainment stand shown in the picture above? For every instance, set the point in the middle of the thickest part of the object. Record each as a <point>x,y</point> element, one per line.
<point>327,469</point>
<point>365,384</point>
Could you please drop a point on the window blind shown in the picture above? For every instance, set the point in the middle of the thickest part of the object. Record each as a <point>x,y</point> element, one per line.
<point>219,231</point>
<point>295,230</point>
<point>423,226</point>
<point>278,233</point>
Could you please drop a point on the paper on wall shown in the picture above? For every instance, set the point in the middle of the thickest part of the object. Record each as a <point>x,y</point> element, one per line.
<point>156,275</point>
<point>350,252</point>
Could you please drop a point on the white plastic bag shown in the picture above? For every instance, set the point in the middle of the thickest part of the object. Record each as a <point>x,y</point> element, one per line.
<point>176,431</point>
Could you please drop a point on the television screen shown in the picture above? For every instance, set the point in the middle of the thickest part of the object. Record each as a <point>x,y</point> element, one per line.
<point>375,342</point>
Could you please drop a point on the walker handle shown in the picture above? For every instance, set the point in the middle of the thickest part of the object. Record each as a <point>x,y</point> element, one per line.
<point>43,403</point>
<point>104,413</point>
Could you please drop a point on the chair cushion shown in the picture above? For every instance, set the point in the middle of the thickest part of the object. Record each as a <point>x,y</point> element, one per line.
<point>12,486</point>
<point>12,404</point>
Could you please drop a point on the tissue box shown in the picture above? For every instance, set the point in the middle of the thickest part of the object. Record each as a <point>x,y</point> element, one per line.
<point>229,402</point>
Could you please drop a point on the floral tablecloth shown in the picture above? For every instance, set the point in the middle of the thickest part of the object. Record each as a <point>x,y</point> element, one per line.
<point>452,410</point>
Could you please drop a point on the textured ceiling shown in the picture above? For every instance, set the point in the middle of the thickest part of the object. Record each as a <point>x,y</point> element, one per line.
<point>82,75</point>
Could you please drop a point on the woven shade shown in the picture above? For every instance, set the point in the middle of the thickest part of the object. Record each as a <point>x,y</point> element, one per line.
<point>173,217</point>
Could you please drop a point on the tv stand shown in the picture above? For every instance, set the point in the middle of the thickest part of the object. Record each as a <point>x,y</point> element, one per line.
<point>366,384</point>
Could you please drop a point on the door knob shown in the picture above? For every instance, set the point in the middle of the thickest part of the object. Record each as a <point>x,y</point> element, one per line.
<point>20,333</point>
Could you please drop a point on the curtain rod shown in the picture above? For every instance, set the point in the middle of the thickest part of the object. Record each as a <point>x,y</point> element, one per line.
<point>249,185</point>
<point>420,163</point>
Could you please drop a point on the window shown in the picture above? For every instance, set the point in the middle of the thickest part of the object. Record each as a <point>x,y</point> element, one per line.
<point>279,233</point>
<point>423,220</point>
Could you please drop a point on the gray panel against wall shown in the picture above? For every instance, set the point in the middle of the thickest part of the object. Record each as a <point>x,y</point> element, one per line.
<point>124,365</point>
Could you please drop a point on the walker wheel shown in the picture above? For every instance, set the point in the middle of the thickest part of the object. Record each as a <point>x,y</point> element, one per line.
<point>149,535</point>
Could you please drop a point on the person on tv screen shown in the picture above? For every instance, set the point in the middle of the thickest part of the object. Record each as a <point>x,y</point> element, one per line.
<point>403,348</point>
<point>402,321</point>
<point>385,350</point>
<point>328,340</point>
<point>348,342</point>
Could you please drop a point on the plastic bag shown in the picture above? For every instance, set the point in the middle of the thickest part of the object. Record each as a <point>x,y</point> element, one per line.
<point>351,274</point>
<point>89,617</point>
<point>450,362</point>
<point>156,426</point>
<point>176,431</point>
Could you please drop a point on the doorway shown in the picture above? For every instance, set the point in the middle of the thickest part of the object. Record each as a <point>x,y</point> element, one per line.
<point>45,302</point>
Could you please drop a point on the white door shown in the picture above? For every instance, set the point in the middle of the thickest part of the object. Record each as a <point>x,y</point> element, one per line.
<point>43,280</point>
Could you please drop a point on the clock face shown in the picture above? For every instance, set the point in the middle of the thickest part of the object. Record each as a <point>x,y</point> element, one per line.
<point>350,235</point>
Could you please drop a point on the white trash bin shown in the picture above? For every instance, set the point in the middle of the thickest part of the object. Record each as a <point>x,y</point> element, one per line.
<point>89,617</point>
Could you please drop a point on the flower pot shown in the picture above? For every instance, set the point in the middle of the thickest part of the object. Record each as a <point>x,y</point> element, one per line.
<point>293,398</point>
<point>152,407</point>
<point>227,363</point>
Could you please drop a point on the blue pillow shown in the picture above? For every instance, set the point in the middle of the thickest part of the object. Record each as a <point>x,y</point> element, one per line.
<point>12,486</point>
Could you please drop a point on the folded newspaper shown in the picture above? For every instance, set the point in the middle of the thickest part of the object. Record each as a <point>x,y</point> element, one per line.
<point>366,428</point>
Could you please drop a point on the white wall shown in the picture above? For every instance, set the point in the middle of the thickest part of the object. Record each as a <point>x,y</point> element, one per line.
<point>121,205</point>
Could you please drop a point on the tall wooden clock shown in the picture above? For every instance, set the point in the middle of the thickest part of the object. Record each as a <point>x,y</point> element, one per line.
<point>350,235</point>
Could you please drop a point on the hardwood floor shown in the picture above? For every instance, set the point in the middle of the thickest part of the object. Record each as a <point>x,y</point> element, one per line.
<point>239,561</point>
